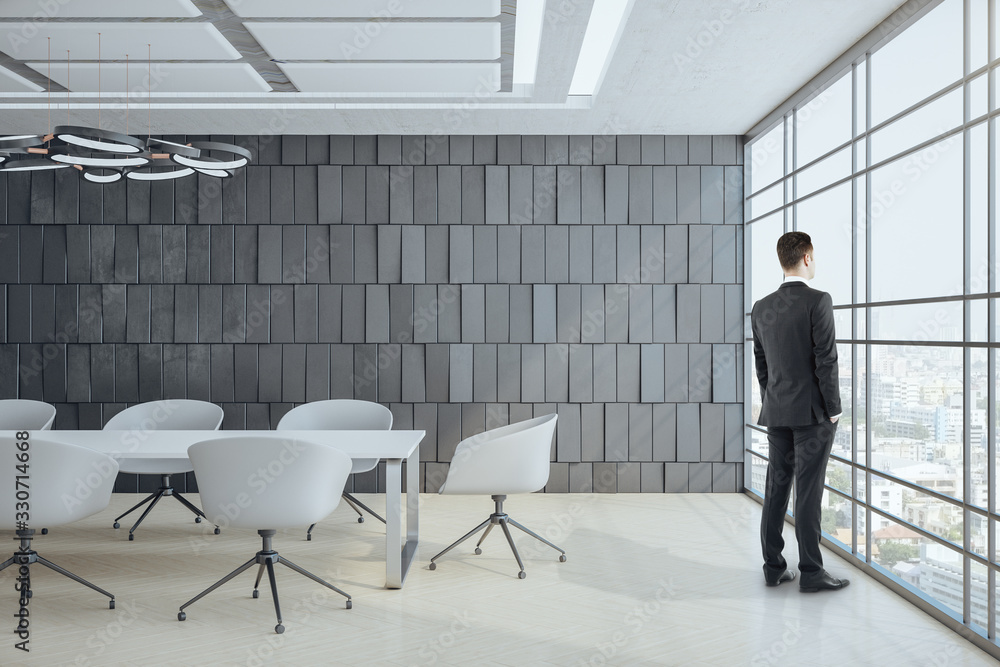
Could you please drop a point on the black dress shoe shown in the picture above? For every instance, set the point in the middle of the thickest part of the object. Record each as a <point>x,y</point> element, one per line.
<point>822,582</point>
<point>787,575</point>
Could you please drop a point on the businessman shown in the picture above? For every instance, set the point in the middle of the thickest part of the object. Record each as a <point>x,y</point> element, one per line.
<point>796,357</point>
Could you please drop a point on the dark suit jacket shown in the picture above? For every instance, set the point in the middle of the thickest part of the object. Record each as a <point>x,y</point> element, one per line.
<point>796,356</point>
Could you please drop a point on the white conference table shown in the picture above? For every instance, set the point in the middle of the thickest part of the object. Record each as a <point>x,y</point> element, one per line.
<point>392,446</point>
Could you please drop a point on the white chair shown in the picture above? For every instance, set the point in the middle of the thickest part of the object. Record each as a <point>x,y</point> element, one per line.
<point>63,483</point>
<point>510,459</point>
<point>341,415</point>
<point>302,485</point>
<point>21,414</point>
<point>170,415</point>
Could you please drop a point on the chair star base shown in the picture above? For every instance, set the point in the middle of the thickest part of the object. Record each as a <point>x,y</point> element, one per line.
<point>165,490</point>
<point>500,518</point>
<point>266,558</point>
<point>25,556</point>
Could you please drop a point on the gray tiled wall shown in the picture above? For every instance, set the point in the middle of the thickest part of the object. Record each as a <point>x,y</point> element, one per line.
<point>465,282</point>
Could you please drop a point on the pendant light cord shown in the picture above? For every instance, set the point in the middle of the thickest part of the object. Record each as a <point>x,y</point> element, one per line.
<point>149,90</point>
<point>48,94</point>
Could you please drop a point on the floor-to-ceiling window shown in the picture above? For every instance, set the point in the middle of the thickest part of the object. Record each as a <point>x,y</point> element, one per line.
<point>892,168</point>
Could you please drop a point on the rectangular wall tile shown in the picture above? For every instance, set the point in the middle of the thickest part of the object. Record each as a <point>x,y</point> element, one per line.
<point>700,373</point>
<point>605,373</point>
<point>616,425</point>
<point>509,373</point>
<point>592,432</point>
<point>533,373</point>
<point>675,244</point>
<point>713,426</point>
<point>652,374</point>
<point>497,313</point>
<point>509,254</point>
<point>449,318</point>
<point>640,195</point>
<point>533,255</point>
<point>640,432</point>
<point>438,373</point>
<point>640,313</point>
<point>484,254</point>
<point>664,314</point>
<point>688,433</point>
<point>484,373</point>
<point>473,194</point>
<point>628,373</point>
<point>544,313</point>
<point>581,254</point>
<point>713,195</point>
<point>568,195</point>
<point>556,373</point>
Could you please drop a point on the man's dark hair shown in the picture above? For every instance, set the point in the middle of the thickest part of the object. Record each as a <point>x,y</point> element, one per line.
<point>792,247</point>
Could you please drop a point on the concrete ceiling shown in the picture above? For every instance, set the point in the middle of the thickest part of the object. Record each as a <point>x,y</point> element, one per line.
<point>676,67</point>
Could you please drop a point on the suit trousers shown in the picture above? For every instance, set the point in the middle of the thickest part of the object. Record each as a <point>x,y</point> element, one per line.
<point>799,454</point>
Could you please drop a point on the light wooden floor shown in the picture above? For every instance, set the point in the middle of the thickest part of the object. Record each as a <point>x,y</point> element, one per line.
<point>651,579</point>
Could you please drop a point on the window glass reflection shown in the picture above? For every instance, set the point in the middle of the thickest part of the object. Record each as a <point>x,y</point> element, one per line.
<point>905,70</point>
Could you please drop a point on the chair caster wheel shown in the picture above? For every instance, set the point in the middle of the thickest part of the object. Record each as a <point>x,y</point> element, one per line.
<point>45,531</point>
<point>216,531</point>
<point>349,604</point>
<point>309,537</point>
<point>181,616</point>
<point>361,519</point>
<point>522,574</point>
<point>131,537</point>
<point>256,594</point>
<point>478,551</point>
<point>279,628</point>
<point>432,566</point>
<point>197,519</point>
<point>562,559</point>
<point>116,525</point>
<point>111,605</point>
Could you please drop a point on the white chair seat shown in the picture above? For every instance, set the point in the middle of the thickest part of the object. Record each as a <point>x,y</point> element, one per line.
<point>66,483</point>
<point>301,483</point>
<point>341,415</point>
<point>169,415</point>
<point>506,460</point>
<point>23,414</point>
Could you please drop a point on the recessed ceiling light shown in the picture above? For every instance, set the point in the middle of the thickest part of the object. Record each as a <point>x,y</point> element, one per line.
<point>607,22</point>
